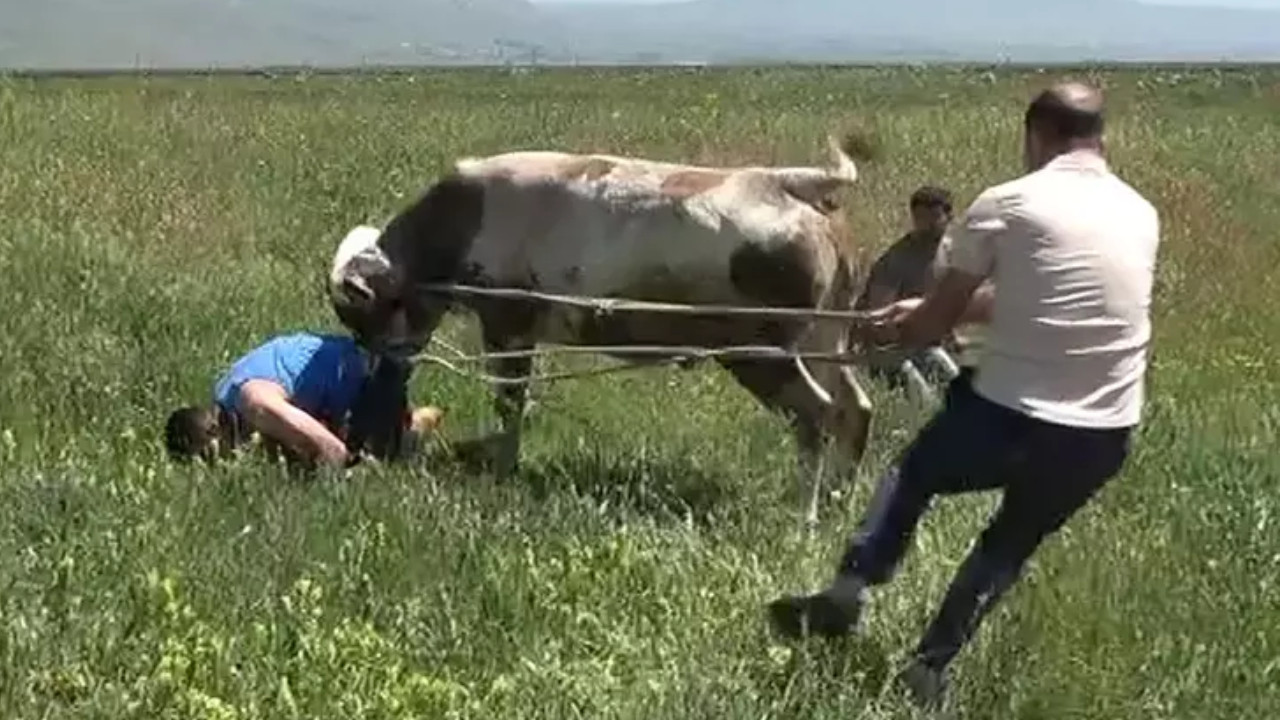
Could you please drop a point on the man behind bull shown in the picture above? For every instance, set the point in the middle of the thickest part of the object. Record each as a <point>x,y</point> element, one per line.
<point>909,268</point>
<point>1048,414</point>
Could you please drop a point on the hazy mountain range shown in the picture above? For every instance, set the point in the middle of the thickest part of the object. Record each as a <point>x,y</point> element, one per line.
<point>239,33</point>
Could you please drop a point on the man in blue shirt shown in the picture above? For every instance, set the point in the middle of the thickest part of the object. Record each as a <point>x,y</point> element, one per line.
<point>301,392</point>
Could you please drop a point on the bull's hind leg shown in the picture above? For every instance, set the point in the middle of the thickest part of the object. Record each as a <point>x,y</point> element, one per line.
<point>825,401</point>
<point>844,426</point>
<point>848,420</point>
<point>505,328</point>
<point>845,420</point>
<point>786,386</point>
<point>508,403</point>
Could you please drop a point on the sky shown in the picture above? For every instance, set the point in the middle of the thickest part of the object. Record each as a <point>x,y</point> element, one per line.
<point>1272,4</point>
<point>1269,4</point>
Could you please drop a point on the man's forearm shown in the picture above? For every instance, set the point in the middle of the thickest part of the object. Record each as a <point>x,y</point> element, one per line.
<point>952,301</point>
<point>923,329</point>
<point>274,416</point>
<point>978,311</point>
<point>300,432</point>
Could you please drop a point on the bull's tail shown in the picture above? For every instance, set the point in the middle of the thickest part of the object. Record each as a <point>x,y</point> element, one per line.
<point>844,168</point>
<point>468,165</point>
<point>815,185</point>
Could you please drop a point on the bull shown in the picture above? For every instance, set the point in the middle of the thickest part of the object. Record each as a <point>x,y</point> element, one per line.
<point>607,226</point>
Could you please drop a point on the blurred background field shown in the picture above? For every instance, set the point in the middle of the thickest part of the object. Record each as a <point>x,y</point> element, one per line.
<point>154,229</point>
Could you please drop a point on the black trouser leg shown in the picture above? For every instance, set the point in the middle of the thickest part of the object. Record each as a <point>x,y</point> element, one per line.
<point>966,447</point>
<point>377,419</point>
<point>1063,469</point>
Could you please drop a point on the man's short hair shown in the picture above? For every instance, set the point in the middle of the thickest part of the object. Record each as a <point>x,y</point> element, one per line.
<point>189,431</point>
<point>931,196</point>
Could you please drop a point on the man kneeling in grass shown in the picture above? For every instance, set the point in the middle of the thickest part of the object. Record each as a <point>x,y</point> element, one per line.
<point>317,397</point>
<point>910,267</point>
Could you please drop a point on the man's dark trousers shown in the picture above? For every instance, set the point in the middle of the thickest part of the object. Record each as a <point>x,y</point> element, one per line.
<point>380,413</point>
<point>1047,472</point>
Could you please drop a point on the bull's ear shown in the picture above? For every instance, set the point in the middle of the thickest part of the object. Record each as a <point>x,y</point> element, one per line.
<point>357,289</point>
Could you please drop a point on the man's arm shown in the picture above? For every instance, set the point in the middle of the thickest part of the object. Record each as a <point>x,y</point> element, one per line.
<point>267,408</point>
<point>953,301</point>
<point>978,312</point>
<point>962,295</point>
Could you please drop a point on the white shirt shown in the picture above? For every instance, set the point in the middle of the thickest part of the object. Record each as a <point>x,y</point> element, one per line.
<point>966,339</point>
<point>1071,249</point>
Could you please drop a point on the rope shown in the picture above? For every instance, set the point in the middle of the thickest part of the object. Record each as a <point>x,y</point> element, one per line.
<point>610,305</point>
<point>681,353</point>
<point>539,377</point>
<point>659,355</point>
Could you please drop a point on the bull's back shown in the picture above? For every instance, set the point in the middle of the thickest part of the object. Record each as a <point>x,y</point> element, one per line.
<point>603,226</point>
<point>619,232</point>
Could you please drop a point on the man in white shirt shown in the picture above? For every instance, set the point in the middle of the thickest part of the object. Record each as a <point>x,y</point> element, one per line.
<point>1046,415</point>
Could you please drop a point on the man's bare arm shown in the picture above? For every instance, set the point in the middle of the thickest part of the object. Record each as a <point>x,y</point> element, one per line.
<point>978,311</point>
<point>265,406</point>
<point>951,302</point>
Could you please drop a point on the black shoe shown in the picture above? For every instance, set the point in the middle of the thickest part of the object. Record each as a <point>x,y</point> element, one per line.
<point>797,616</point>
<point>927,686</point>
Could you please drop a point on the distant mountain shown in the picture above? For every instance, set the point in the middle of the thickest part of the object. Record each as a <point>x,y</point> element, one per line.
<point>167,33</point>
<point>240,33</point>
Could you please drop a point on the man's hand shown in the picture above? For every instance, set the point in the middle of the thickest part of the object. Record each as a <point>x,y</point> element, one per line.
<point>885,326</point>
<point>267,408</point>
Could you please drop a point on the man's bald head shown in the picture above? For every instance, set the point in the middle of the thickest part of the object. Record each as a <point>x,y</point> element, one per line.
<point>1067,111</point>
<point>1065,117</point>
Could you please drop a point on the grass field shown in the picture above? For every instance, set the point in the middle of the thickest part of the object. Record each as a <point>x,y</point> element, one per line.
<point>154,229</point>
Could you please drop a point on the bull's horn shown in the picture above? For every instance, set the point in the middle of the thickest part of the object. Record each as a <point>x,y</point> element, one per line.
<point>357,289</point>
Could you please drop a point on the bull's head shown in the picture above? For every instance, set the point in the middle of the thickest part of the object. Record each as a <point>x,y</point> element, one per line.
<point>368,293</point>
<point>378,277</point>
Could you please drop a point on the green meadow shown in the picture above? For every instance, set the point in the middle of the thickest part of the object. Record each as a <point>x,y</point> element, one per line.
<point>152,229</point>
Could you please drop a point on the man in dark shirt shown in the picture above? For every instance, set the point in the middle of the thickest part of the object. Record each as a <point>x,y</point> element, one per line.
<point>909,268</point>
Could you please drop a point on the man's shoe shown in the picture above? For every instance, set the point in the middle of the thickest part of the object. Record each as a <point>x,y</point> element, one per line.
<point>927,686</point>
<point>797,616</point>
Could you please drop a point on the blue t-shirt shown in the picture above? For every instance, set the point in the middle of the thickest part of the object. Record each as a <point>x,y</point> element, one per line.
<point>321,374</point>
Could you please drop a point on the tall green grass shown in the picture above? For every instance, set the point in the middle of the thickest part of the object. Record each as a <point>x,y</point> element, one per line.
<point>154,229</point>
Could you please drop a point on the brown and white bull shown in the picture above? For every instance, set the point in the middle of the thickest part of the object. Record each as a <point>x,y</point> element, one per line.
<point>608,226</point>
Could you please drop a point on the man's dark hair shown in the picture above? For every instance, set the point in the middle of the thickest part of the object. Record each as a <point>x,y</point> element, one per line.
<point>931,196</point>
<point>188,431</point>
<point>1067,111</point>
